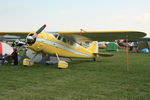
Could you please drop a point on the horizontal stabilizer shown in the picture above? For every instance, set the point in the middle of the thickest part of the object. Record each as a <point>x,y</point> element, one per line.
<point>104,54</point>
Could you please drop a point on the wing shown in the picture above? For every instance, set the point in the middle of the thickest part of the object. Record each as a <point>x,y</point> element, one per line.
<point>20,34</point>
<point>9,37</point>
<point>103,35</point>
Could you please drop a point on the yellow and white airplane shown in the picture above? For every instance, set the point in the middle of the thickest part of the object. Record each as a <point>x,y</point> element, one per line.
<point>72,44</point>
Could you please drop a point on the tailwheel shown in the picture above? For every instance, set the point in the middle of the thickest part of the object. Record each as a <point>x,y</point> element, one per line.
<point>94,59</point>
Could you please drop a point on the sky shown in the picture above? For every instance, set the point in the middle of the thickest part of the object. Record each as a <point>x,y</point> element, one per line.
<point>73,15</point>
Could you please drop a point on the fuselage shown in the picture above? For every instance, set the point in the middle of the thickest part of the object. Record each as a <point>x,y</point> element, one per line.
<point>53,44</point>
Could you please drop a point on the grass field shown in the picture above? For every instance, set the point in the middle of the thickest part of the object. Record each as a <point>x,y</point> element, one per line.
<point>106,79</point>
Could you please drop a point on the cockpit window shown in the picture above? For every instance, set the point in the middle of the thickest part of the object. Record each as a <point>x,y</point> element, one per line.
<point>59,38</point>
<point>56,36</point>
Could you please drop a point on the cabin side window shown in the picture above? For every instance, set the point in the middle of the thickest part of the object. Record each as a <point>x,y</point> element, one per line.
<point>60,38</point>
<point>71,42</point>
<point>64,40</point>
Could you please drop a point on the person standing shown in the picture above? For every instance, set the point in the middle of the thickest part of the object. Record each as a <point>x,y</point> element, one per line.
<point>15,56</point>
<point>3,58</point>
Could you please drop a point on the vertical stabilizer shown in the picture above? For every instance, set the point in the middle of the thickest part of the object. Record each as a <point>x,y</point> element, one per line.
<point>93,47</point>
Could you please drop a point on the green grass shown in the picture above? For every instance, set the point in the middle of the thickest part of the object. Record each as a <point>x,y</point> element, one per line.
<point>106,79</point>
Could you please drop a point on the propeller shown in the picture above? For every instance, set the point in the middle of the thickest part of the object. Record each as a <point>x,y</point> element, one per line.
<point>31,38</point>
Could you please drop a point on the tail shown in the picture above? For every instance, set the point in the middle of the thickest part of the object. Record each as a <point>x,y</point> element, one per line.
<point>93,47</point>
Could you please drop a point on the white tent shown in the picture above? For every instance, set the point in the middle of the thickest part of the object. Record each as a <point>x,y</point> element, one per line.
<point>5,48</point>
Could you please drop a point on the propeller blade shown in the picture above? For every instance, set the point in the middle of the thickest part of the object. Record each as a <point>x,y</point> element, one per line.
<point>41,29</point>
<point>38,31</point>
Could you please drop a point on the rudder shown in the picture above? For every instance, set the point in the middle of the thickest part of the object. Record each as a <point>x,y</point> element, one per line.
<point>93,47</point>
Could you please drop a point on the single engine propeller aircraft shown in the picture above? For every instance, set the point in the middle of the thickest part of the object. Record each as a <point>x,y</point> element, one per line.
<point>71,44</point>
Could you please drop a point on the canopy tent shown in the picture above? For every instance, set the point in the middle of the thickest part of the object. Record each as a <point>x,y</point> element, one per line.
<point>5,48</point>
<point>144,50</point>
<point>112,47</point>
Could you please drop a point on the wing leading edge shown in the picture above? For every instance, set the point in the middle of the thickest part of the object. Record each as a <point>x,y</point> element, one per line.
<point>91,35</point>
